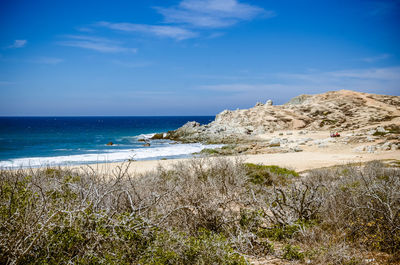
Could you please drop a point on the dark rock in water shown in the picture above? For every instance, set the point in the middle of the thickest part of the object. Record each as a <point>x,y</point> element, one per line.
<point>157,136</point>
<point>187,129</point>
<point>110,143</point>
<point>146,144</point>
<point>141,140</point>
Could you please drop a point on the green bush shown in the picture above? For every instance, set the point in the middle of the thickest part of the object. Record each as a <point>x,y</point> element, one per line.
<point>209,151</point>
<point>178,248</point>
<point>281,232</point>
<point>250,219</point>
<point>258,174</point>
<point>267,175</point>
<point>282,171</point>
<point>292,253</point>
<point>278,232</point>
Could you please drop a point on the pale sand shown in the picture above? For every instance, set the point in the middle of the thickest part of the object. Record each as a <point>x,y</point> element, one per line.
<point>311,158</point>
<point>300,161</point>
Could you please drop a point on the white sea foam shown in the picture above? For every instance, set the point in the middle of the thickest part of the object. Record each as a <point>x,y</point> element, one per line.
<point>145,136</point>
<point>106,156</point>
<point>63,149</point>
<point>134,139</point>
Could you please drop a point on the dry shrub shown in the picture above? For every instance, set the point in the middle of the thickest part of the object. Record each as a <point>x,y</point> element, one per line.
<point>365,203</point>
<point>61,216</point>
<point>334,212</point>
<point>206,193</point>
<point>203,211</point>
<point>360,212</point>
<point>299,202</point>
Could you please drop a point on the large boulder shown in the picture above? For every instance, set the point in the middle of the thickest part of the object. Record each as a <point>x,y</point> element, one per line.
<point>157,136</point>
<point>190,127</point>
<point>299,99</point>
<point>186,132</point>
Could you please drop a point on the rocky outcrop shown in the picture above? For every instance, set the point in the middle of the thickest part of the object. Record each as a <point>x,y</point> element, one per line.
<point>338,110</point>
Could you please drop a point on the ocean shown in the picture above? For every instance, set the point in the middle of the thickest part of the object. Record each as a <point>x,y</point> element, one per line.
<point>53,141</point>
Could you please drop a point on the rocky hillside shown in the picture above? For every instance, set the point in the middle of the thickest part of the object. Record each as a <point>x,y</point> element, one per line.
<point>338,110</point>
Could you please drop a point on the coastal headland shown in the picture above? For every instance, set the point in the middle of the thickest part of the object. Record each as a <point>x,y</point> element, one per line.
<point>296,134</point>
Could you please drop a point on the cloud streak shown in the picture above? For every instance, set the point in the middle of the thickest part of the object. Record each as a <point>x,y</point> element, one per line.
<point>174,32</point>
<point>368,74</point>
<point>47,60</point>
<point>376,58</point>
<point>372,79</point>
<point>211,13</point>
<point>190,17</point>
<point>96,44</point>
<point>18,44</point>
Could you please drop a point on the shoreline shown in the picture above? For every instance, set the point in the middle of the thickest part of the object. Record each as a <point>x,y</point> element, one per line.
<point>318,152</point>
<point>298,161</point>
<point>298,135</point>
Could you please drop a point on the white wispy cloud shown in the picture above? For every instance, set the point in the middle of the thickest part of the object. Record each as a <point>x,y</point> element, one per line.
<point>187,19</point>
<point>18,44</point>
<point>236,87</point>
<point>215,35</point>
<point>371,79</point>
<point>368,74</point>
<point>174,32</point>
<point>376,58</point>
<point>96,44</point>
<point>84,29</point>
<point>47,60</point>
<point>212,13</point>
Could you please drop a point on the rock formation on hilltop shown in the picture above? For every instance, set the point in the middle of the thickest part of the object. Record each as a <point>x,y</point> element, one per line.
<point>338,110</point>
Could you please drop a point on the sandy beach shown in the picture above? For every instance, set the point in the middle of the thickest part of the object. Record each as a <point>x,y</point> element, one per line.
<point>311,158</point>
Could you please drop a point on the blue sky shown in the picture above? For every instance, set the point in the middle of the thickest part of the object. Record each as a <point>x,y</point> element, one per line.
<point>190,57</point>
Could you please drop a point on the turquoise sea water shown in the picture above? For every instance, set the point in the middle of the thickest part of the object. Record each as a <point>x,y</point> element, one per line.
<point>38,141</point>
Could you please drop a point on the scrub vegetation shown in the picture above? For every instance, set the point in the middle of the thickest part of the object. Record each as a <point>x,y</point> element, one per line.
<point>202,211</point>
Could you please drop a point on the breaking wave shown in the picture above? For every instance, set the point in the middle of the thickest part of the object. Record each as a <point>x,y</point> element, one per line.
<point>168,151</point>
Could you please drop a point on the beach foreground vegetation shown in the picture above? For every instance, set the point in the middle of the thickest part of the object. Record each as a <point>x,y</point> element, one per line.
<point>201,211</point>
